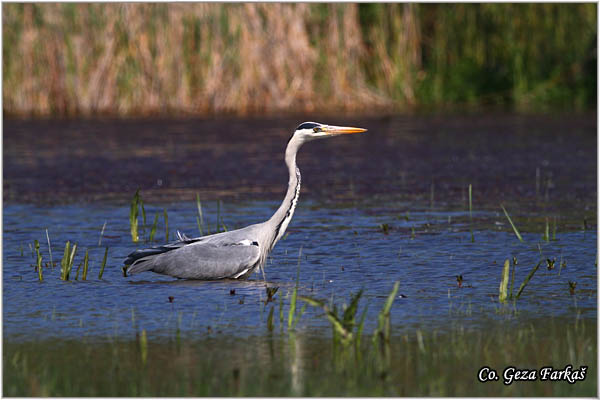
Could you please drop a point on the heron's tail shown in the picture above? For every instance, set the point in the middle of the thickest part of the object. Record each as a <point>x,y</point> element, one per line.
<point>142,260</point>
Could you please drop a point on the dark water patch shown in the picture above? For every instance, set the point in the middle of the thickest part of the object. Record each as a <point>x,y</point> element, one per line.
<point>424,160</point>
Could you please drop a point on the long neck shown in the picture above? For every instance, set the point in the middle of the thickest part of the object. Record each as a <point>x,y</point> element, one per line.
<point>282,217</point>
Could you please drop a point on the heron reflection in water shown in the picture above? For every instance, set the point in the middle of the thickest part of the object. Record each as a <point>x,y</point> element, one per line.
<point>234,254</point>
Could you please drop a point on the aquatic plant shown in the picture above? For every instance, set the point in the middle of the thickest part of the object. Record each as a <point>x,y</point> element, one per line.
<point>103,263</point>
<point>66,263</point>
<point>270,318</point>
<point>153,229</point>
<point>49,248</point>
<point>503,290</point>
<point>271,290</point>
<point>66,367</point>
<point>385,228</point>
<point>133,216</point>
<point>143,347</point>
<point>572,286</point>
<point>527,279</point>
<point>504,282</point>
<point>342,325</point>
<point>511,224</point>
<point>85,265</point>
<point>39,261</point>
<point>102,233</point>
<point>546,235</point>
<point>292,319</point>
<point>382,332</point>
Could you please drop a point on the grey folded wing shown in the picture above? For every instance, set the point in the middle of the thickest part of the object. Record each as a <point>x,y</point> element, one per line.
<point>202,260</point>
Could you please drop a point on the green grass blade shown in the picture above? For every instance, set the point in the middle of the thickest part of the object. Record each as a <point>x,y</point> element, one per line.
<point>154,225</point>
<point>350,311</point>
<point>312,301</point>
<point>292,309</point>
<point>390,300</point>
<point>383,319</point>
<point>526,281</point>
<point>511,224</point>
<point>503,295</point>
<point>281,311</point>
<point>270,319</point>
<point>143,213</point>
<point>50,248</point>
<point>359,330</point>
<point>39,261</point>
<point>133,216</point>
<point>71,260</point>
<point>102,233</point>
<point>338,326</point>
<point>144,346</point>
<point>103,263</point>
<point>64,263</point>
<point>85,265</point>
<point>77,272</point>
<point>300,314</point>
<point>512,280</point>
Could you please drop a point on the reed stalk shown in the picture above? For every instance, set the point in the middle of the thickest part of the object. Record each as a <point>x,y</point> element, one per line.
<point>102,233</point>
<point>527,279</point>
<point>504,282</point>
<point>103,263</point>
<point>382,332</point>
<point>511,224</point>
<point>153,229</point>
<point>39,261</point>
<point>206,58</point>
<point>292,310</point>
<point>133,216</point>
<point>49,248</point>
<point>66,263</point>
<point>85,265</point>
<point>144,347</point>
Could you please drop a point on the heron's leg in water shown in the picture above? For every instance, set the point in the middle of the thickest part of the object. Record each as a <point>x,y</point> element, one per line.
<point>262,268</point>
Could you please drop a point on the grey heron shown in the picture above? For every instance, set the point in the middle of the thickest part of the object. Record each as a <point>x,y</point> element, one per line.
<point>234,254</point>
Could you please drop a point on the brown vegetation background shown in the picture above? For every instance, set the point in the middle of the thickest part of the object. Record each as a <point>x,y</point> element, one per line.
<point>131,59</point>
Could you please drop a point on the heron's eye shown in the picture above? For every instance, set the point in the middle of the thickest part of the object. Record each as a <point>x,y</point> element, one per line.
<point>316,129</point>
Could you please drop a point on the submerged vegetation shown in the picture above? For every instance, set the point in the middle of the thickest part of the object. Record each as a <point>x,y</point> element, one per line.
<point>423,363</point>
<point>124,59</point>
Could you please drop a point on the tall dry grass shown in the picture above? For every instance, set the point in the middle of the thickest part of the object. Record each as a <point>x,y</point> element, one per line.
<point>135,58</point>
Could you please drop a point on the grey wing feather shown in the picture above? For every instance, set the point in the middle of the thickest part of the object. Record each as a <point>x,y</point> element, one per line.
<point>198,260</point>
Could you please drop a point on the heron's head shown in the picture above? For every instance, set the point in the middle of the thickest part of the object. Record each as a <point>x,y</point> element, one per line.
<point>308,131</point>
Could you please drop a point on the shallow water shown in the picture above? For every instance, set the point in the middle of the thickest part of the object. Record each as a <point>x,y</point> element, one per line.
<point>408,173</point>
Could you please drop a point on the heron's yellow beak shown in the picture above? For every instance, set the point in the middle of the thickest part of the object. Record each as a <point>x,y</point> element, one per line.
<point>338,130</point>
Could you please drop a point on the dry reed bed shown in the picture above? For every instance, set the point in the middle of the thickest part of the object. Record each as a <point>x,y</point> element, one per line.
<point>124,59</point>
